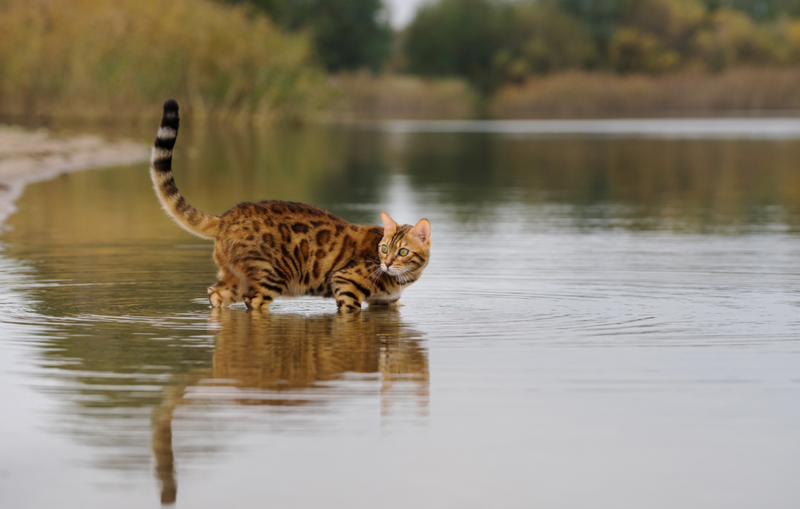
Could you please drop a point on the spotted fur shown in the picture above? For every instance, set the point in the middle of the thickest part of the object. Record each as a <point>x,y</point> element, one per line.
<point>282,249</point>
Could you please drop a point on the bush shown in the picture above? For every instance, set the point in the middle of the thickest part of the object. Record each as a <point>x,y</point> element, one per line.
<point>631,50</point>
<point>730,38</point>
<point>539,38</point>
<point>347,34</point>
<point>455,38</point>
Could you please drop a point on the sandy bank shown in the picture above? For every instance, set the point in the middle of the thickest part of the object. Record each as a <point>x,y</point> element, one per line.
<point>34,156</point>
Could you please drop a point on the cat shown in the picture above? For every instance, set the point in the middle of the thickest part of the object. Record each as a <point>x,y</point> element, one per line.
<point>273,248</point>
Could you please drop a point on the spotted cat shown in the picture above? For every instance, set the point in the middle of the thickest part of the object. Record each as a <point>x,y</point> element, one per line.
<point>276,249</point>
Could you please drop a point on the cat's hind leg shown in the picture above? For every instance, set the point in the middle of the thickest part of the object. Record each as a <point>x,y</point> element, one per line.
<point>259,297</point>
<point>266,283</point>
<point>226,291</point>
<point>228,288</point>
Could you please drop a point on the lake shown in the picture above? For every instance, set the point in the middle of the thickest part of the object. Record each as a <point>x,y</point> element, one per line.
<point>610,320</point>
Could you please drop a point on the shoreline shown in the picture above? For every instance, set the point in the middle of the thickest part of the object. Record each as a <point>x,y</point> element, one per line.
<point>27,157</point>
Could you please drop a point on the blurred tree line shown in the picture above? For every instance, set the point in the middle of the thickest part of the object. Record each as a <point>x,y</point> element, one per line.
<point>347,34</point>
<point>496,42</point>
<point>492,43</point>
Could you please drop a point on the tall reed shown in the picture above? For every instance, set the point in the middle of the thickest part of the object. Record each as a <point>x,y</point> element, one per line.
<point>364,96</point>
<point>743,90</point>
<point>95,58</point>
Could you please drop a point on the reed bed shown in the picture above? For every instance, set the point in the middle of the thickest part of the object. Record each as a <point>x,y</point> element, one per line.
<point>364,96</point>
<point>757,91</point>
<point>95,58</point>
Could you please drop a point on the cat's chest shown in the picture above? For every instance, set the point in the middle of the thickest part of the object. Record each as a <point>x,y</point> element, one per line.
<point>386,293</point>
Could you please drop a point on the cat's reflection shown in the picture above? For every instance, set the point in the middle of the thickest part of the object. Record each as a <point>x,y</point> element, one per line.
<point>281,355</point>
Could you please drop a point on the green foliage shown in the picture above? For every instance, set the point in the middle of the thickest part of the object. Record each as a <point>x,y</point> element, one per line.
<point>631,50</point>
<point>539,38</point>
<point>347,34</point>
<point>456,38</point>
<point>492,42</point>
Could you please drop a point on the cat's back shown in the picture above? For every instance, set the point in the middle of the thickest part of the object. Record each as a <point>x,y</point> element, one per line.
<point>272,213</point>
<point>291,223</point>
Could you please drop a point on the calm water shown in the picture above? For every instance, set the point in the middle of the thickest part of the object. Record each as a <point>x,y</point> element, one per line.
<point>606,322</point>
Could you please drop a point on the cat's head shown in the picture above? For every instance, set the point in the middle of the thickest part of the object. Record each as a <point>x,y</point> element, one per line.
<point>404,248</point>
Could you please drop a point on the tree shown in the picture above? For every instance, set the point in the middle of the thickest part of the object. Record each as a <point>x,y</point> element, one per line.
<point>456,38</point>
<point>347,34</point>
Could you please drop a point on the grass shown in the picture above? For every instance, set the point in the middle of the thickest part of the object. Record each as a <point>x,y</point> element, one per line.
<point>95,58</point>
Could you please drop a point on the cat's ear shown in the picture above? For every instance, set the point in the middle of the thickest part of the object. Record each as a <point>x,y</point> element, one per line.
<point>422,231</point>
<point>389,226</point>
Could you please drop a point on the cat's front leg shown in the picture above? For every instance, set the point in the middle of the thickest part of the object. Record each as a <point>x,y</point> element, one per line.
<point>347,290</point>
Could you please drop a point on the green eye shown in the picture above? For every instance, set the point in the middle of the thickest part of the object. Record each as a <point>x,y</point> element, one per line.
<point>403,252</point>
<point>384,249</point>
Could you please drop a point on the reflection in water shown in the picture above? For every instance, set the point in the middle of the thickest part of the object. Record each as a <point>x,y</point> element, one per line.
<point>565,296</point>
<point>288,360</point>
<point>635,184</point>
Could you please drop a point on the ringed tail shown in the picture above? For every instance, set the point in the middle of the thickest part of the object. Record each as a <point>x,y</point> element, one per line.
<point>187,217</point>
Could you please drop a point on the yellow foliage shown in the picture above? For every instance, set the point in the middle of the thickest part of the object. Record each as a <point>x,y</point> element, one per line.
<point>631,50</point>
<point>670,20</point>
<point>791,35</point>
<point>731,38</point>
<point>101,58</point>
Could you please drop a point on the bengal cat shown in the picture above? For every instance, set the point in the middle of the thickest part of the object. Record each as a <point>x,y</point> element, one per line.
<point>273,248</point>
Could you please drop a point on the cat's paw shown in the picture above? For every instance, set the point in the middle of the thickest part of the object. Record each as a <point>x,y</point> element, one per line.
<point>386,305</point>
<point>220,297</point>
<point>257,303</point>
<point>395,305</point>
<point>214,298</point>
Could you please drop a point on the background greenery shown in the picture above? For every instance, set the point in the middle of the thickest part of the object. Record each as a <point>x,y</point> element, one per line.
<point>492,43</point>
<point>292,59</point>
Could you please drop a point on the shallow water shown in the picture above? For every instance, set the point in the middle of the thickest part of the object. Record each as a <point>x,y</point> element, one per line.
<point>607,321</point>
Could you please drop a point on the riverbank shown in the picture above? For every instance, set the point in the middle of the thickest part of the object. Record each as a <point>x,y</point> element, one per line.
<point>739,92</point>
<point>34,156</point>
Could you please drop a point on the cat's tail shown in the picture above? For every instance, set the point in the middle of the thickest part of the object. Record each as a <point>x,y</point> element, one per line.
<point>188,217</point>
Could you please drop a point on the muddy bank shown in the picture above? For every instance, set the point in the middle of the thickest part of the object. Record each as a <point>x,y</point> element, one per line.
<point>33,156</point>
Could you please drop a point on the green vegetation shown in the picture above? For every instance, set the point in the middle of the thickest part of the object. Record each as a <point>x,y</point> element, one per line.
<point>268,59</point>
<point>347,34</point>
<point>493,43</point>
<point>122,58</point>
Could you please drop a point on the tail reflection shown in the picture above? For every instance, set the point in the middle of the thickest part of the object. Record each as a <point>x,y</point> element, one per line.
<point>291,360</point>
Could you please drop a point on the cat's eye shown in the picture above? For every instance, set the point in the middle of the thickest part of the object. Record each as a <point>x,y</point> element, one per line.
<point>384,249</point>
<point>403,252</point>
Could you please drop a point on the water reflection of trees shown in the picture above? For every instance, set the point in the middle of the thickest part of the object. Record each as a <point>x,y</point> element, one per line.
<point>633,183</point>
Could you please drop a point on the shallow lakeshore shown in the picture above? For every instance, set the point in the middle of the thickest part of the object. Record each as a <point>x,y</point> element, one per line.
<point>608,320</point>
<point>28,156</point>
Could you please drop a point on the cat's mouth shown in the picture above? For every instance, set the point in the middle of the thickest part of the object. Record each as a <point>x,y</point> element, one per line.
<point>390,270</point>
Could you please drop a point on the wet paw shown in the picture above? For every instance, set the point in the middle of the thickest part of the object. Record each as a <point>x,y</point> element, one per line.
<point>386,305</point>
<point>255,303</point>
<point>220,298</point>
<point>214,298</point>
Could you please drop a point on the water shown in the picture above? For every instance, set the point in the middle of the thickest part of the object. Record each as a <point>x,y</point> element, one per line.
<point>607,321</point>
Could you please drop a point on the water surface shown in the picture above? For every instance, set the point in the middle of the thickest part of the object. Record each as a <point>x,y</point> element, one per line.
<point>607,321</point>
